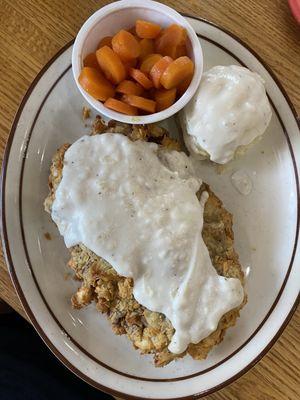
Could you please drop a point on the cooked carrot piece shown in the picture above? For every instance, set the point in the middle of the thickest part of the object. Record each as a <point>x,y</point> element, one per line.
<point>150,94</point>
<point>158,69</point>
<point>164,98</point>
<point>148,62</point>
<point>129,87</point>
<point>180,51</point>
<point>140,102</point>
<point>172,51</point>
<point>93,82</point>
<point>111,64</point>
<point>91,61</point>
<point>130,64</point>
<point>120,106</point>
<point>160,34</point>
<point>182,87</point>
<point>126,45</point>
<point>147,47</point>
<point>132,30</point>
<point>172,37</point>
<point>146,29</point>
<point>179,34</point>
<point>141,78</point>
<point>177,51</point>
<point>106,41</point>
<point>177,72</point>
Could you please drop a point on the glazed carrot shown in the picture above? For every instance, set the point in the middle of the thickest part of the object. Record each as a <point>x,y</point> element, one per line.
<point>106,41</point>
<point>132,30</point>
<point>172,37</point>
<point>126,45</point>
<point>93,82</point>
<point>177,51</point>
<point>160,34</point>
<point>129,87</point>
<point>148,62</point>
<point>130,64</point>
<point>91,61</point>
<point>111,64</point>
<point>145,53</point>
<point>147,47</point>
<point>180,51</point>
<point>141,78</point>
<point>182,87</point>
<point>164,98</point>
<point>158,69</point>
<point>177,72</point>
<point>150,94</point>
<point>140,102</point>
<point>178,32</point>
<point>120,106</point>
<point>146,29</point>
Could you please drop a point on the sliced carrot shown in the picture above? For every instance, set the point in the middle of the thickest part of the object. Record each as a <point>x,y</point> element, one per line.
<point>160,33</point>
<point>147,47</point>
<point>141,78</point>
<point>177,72</point>
<point>178,32</point>
<point>132,30</point>
<point>182,87</point>
<point>130,64</point>
<point>120,106</point>
<point>129,87</point>
<point>91,61</point>
<point>111,64</point>
<point>146,29</point>
<point>172,37</point>
<point>93,82</point>
<point>126,45</point>
<point>106,41</point>
<point>164,98</point>
<point>150,94</point>
<point>140,102</point>
<point>177,51</point>
<point>158,69</point>
<point>148,62</point>
<point>180,51</point>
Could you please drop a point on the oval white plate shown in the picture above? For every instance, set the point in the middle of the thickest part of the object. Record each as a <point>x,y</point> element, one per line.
<point>266,229</point>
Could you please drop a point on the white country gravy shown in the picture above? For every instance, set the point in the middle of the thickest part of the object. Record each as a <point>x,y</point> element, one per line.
<point>135,205</point>
<point>230,109</point>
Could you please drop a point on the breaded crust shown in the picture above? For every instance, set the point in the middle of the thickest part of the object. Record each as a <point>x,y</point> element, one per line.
<point>150,332</point>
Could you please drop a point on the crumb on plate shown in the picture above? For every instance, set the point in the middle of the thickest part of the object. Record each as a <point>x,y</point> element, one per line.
<point>86,113</point>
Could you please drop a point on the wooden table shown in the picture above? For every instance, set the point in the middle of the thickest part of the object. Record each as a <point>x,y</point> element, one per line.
<point>32,31</point>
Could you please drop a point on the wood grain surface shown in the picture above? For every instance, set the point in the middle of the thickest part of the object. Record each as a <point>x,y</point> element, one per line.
<point>32,31</point>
